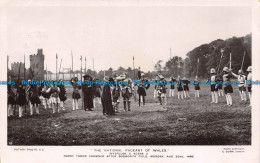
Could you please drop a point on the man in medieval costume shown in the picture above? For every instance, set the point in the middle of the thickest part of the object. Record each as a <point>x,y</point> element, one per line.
<point>88,91</point>
<point>142,87</point>
<point>127,89</point>
<point>106,98</point>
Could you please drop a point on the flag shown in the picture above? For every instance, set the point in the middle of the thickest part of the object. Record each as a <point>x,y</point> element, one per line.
<point>56,55</point>
<point>85,58</point>
<point>81,58</point>
<point>133,58</point>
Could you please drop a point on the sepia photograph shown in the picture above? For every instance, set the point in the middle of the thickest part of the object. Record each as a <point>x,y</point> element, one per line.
<point>129,81</point>
<point>175,62</point>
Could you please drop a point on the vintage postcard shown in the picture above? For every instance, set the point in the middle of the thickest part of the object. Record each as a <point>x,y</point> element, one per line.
<point>129,81</point>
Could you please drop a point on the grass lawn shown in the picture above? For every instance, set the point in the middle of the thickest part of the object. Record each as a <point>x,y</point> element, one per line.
<point>153,124</point>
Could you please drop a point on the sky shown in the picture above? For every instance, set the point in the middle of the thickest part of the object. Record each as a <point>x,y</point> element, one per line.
<point>112,35</point>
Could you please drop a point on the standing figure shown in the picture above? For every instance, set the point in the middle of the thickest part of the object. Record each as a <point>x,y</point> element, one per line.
<point>213,86</point>
<point>97,93</point>
<point>21,99</point>
<point>186,87</point>
<point>10,100</point>
<point>197,87</point>
<point>115,96</point>
<point>227,85</point>
<point>88,91</point>
<point>75,93</point>
<point>106,99</point>
<point>179,87</point>
<point>141,89</point>
<point>62,94</point>
<point>161,90</point>
<point>139,75</point>
<point>155,89</point>
<point>54,99</point>
<point>220,83</point>
<point>127,90</point>
<point>42,99</point>
<point>34,99</point>
<point>46,96</point>
<point>249,83</point>
<point>241,86</point>
<point>171,92</point>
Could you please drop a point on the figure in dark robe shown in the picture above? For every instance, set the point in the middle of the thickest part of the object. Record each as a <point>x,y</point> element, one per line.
<point>106,99</point>
<point>88,91</point>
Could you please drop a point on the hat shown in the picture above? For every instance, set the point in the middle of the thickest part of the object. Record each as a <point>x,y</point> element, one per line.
<point>119,78</point>
<point>249,68</point>
<point>212,70</point>
<point>225,69</point>
<point>161,77</point>
<point>111,79</point>
<point>86,76</point>
<point>142,74</point>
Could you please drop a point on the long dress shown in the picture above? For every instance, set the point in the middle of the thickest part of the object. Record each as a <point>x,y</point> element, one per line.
<point>107,100</point>
<point>88,94</point>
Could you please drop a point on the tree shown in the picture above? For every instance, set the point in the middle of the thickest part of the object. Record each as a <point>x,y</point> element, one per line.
<point>158,66</point>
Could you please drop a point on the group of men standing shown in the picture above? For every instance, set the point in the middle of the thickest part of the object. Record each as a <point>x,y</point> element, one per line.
<point>108,95</point>
<point>50,96</point>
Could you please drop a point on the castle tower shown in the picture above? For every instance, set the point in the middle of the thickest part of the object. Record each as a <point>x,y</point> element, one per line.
<point>37,65</point>
<point>15,68</point>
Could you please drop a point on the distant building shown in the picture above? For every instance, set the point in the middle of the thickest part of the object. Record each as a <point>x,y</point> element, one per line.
<point>15,68</point>
<point>37,65</point>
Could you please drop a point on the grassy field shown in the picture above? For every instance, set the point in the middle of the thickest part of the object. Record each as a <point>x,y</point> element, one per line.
<point>153,124</point>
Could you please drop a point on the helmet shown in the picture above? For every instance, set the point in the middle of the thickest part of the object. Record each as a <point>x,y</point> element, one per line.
<point>212,70</point>
<point>119,78</point>
<point>225,69</point>
<point>142,74</point>
<point>240,71</point>
<point>161,77</point>
<point>249,68</point>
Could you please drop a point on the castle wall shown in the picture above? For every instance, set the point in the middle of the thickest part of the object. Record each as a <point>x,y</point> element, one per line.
<point>37,65</point>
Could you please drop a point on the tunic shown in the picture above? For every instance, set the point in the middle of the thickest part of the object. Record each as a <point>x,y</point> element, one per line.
<point>227,85</point>
<point>21,100</point>
<point>34,95</point>
<point>62,94</point>
<point>75,93</point>
<point>11,95</point>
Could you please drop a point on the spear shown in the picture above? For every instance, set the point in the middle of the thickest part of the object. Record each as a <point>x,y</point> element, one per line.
<point>93,67</point>
<point>243,61</point>
<point>24,77</point>
<point>60,66</point>
<point>85,65</point>
<point>220,60</point>
<point>17,85</point>
<point>230,62</point>
<point>56,67</point>
<point>81,79</point>
<point>134,75</point>
<point>198,66</point>
<point>72,63</point>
